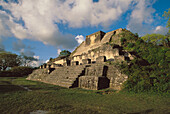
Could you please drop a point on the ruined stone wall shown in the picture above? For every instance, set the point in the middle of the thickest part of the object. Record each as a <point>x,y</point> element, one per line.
<point>105,50</point>
<point>94,38</point>
<point>100,39</point>
<point>116,77</point>
<point>61,61</point>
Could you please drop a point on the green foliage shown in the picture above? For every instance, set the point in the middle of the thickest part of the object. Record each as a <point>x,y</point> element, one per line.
<point>167,15</point>
<point>64,53</point>
<point>122,40</point>
<point>156,39</point>
<point>21,71</point>
<point>8,60</point>
<point>149,70</point>
<point>25,60</point>
<point>18,71</point>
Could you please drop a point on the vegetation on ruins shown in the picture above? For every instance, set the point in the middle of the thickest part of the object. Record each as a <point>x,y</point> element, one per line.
<point>149,71</point>
<point>64,53</point>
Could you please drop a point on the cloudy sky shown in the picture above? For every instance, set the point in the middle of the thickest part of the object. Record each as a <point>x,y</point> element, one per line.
<point>42,28</point>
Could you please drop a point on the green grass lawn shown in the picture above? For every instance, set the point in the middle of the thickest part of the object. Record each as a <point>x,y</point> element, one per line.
<point>54,99</point>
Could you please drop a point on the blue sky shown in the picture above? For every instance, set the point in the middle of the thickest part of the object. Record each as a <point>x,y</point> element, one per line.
<point>42,28</point>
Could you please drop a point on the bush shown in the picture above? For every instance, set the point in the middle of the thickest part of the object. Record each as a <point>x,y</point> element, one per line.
<point>130,45</point>
<point>19,71</point>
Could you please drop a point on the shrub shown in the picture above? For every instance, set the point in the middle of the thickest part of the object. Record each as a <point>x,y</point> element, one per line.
<point>19,71</point>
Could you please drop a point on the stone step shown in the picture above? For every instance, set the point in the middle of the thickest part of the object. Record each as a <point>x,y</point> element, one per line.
<point>68,80</point>
<point>65,76</point>
<point>62,84</point>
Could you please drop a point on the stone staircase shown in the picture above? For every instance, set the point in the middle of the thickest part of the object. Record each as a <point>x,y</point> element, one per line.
<point>66,76</point>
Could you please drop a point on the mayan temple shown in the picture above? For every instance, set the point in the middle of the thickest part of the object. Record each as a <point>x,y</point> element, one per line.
<point>90,65</point>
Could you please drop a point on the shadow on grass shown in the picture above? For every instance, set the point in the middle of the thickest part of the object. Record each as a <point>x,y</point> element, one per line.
<point>10,88</point>
<point>42,88</point>
<point>143,112</point>
<point>66,108</point>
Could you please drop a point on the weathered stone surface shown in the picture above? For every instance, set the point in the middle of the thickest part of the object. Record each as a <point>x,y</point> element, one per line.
<point>50,70</point>
<point>86,61</point>
<point>67,63</point>
<point>93,82</point>
<point>68,76</point>
<point>74,63</point>
<point>94,38</point>
<point>62,76</point>
<point>85,47</point>
<point>48,66</point>
<point>116,77</point>
<point>44,65</point>
<point>96,70</point>
<point>41,67</point>
<point>101,59</point>
<point>119,58</point>
<point>55,65</point>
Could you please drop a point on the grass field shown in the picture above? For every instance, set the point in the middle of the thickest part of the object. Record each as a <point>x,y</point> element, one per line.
<point>15,99</point>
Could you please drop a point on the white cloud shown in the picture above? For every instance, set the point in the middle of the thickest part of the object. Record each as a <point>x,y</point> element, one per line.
<point>58,51</point>
<point>46,61</point>
<point>79,13</point>
<point>141,17</point>
<point>40,18</point>
<point>161,30</point>
<point>4,24</point>
<point>36,63</point>
<point>80,38</point>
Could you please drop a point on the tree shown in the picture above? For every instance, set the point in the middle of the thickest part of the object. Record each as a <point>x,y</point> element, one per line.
<point>8,60</point>
<point>26,60</point>
<point>64,53</point>
<point>156,39</point>
<point>167,16</point>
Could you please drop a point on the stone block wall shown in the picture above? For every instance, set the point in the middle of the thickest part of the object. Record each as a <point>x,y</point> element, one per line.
<point>116,77</point>
<point>73,63</point>
<point>101,59</point>
<point>96,70</point>
<point>86,61</point>
<point>93,82</point>
<point>106,50</point>
<point>61,61</point>
<point>94,78</point>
